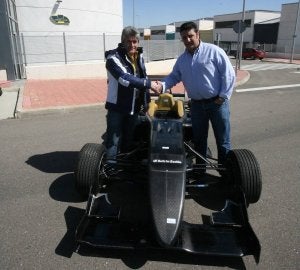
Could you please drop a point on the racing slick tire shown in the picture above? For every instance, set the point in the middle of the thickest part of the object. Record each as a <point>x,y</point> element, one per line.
<point>244,172</point>
<point>88,165</point>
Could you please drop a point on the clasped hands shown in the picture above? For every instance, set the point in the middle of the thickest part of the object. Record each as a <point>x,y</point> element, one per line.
<point>156,87</point>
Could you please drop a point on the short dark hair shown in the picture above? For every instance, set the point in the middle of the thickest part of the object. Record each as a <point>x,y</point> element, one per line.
<point>187,26</point>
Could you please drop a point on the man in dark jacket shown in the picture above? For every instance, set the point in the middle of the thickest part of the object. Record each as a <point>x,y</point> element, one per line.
<point>128,92</point>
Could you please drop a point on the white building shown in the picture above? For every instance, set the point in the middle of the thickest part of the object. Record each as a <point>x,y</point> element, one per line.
<point>205,26</point>
<point>56,31</point>
<point>288,28</point>
<point>88,16</point>
<point>223,26</point>
<point>160,32</point>
<point>171,31</point>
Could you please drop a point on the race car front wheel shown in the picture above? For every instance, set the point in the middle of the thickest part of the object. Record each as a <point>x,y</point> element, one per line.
<point>87,169</point>
<point>243,171</point>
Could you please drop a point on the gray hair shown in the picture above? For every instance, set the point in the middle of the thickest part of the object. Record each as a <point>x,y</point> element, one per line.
<point>129,31</point>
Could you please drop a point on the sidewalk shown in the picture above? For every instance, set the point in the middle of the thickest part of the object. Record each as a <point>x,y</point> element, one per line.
<point>47,96</point>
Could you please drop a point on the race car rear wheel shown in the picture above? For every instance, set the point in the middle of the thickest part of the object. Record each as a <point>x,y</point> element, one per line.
<point>243,171</point>
<point>88,165</point>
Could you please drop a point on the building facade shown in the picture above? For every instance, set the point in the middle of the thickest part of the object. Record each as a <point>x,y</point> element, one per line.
<point>224,26</point>
<point>64,39</point>
<point>11,66</point>
<point>43,31</point>
<point>205,27</point>
<point>289,28</point>
<point>46,17</point>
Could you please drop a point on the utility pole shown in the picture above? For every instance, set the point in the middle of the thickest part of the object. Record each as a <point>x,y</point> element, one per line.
<point>133,14</point>
<point>239,49</point>
<point>294,36</point>
<point>242,35</point>
<point>237,56</point>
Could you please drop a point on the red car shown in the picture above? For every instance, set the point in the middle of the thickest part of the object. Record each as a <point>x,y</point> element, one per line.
<point>253,53</point>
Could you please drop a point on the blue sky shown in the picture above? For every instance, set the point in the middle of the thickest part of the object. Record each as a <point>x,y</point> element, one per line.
<point>159,12</point>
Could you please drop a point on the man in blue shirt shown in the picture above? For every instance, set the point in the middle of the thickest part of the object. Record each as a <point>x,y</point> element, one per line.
<point>208,77</point>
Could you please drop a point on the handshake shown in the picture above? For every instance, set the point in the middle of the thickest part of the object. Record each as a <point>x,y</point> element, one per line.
<point>156,87</point>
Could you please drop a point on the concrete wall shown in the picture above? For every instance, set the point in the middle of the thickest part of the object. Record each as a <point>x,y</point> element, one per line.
<point>71,71</point>
<point>90,70</point>
<point>228,34</point>
<point>44,42</point>
<point>282,55</point>
<point>261,16</point>
<point>86,16</point>
<point>287,27</point>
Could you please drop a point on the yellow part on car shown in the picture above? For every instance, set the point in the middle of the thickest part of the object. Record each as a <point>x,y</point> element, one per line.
<point>166,103</point>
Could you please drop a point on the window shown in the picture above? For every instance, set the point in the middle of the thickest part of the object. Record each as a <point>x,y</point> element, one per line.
<point>229,24</point>
<point>158,32</point>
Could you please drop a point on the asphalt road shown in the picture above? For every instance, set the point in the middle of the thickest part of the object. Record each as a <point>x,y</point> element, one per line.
<point>40,207</point>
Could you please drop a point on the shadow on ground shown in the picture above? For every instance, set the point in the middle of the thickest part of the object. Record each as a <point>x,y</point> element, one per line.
<point>54,162</point>
<point>63,188</point>
<point>134,259</point>
<point>135,208</point>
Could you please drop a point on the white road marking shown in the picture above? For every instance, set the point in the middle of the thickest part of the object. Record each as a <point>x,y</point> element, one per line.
<point>266,88</point>
<point>268,66</point>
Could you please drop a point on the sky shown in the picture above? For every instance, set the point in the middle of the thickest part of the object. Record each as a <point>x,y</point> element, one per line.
<point>160,12</point>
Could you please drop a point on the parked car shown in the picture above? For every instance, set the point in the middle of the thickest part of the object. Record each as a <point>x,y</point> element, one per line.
<point>250,53</point>
<point>253,53</point>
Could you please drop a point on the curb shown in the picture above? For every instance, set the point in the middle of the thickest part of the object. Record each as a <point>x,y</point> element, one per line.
<point>21,113</point>
<point>244,80</point>
<point>8,106</point>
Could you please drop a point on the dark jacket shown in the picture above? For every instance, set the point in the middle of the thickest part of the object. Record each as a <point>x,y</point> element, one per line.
<point>127,92</point>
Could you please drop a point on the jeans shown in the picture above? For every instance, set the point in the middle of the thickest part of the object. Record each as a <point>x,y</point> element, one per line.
<point>219,116</point>
<point>119,133</point>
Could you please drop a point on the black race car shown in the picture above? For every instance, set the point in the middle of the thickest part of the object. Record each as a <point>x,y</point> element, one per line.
<point>139,202</point>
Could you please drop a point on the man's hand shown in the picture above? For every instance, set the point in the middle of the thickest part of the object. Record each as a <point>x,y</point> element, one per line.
<point>220,100</point>
<point>156,87</point>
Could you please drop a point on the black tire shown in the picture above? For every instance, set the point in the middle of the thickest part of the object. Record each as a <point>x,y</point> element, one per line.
<point>244,172</point>
<point>87,169</point>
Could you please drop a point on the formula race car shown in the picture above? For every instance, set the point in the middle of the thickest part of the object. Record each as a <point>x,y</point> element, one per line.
<point>139,202</point>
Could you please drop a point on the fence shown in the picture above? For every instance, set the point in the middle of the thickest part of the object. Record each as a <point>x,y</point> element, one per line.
<point>72,48</point>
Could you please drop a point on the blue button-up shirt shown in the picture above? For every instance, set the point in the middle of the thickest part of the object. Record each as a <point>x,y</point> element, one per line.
<point>205,74</point>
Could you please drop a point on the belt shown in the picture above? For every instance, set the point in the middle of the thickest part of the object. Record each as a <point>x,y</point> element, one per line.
<point>205,100</point>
